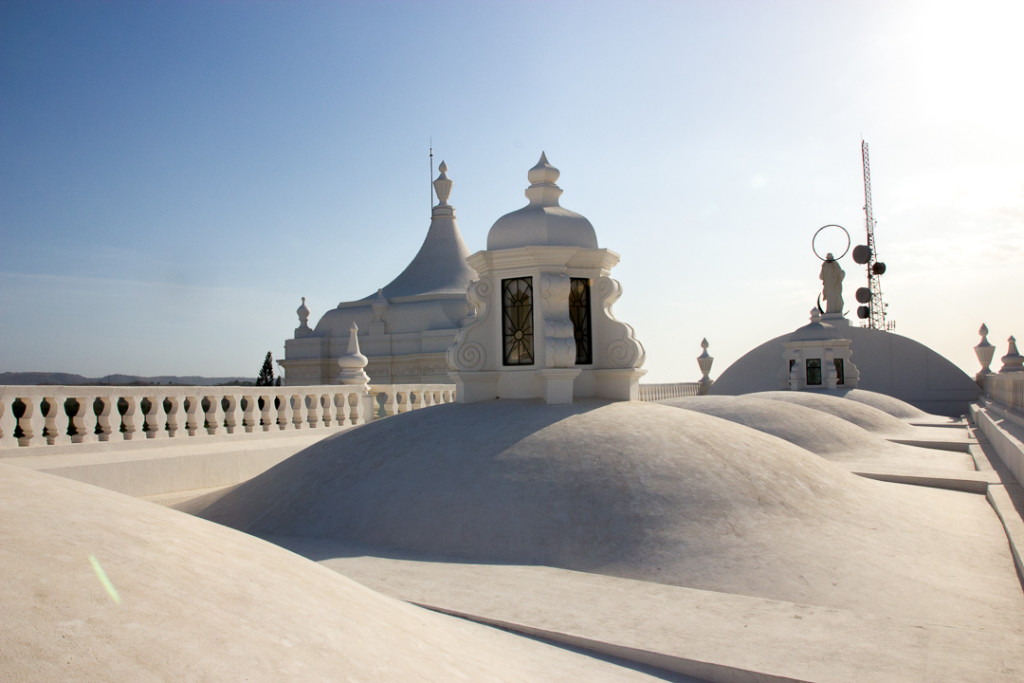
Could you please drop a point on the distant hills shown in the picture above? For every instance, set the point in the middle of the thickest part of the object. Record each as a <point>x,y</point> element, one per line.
<point>23,378</point>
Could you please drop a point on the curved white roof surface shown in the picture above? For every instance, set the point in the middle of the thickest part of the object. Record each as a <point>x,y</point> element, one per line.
<point>197,601</point>
<point>634,490</point>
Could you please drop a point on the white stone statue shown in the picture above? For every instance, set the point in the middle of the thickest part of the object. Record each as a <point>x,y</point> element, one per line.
<point>831,277</point>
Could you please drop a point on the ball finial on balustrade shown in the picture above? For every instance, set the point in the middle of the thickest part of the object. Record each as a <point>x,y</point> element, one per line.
<point>704,361</point>
<point>303,312</point>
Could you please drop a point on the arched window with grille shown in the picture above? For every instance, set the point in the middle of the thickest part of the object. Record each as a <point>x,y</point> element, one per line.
<point>517,320</point>
<point>579,313</point>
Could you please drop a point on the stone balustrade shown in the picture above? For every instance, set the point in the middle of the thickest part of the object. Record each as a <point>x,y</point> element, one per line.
<point>65,415</point>
<point>1007,389</point>
<point>59,415</point>
<point>657,392</point>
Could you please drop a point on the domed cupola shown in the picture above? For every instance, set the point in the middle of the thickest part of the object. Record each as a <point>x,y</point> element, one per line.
<point>542,325</point>
<point>542,222</point>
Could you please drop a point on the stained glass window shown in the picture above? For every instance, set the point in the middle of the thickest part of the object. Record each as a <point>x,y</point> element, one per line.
<point>579,313</point>
<point>517,320</point>
<point>813,372</point>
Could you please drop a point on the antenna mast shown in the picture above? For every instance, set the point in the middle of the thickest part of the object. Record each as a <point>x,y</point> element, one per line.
<point>430,175</point>
<point>876,317</point>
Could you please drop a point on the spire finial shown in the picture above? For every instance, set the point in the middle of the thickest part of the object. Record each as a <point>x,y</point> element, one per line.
<point>353,363</point>
<point>542,189</point>
<point>443,186</point>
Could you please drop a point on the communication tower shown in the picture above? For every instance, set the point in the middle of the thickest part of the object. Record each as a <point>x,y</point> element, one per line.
<point>872,309</point>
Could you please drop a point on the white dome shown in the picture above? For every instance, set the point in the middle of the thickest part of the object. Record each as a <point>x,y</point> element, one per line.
<point>542,222</point>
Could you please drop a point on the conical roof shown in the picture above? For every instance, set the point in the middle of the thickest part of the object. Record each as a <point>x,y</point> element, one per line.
<point>440,265</point>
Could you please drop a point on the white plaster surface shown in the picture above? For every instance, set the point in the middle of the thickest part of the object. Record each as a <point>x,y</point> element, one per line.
<point>156,468</point>
<point>703,633</point>
<point>860,414</point>
<point>639,491</point>
<point>825,434</point>
<point>892,405</point>
<point>202,602</point>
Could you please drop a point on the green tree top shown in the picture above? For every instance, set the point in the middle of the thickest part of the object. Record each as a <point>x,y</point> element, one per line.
<point>266,377</point>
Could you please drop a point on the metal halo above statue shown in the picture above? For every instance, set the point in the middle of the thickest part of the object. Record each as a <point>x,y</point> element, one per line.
<point>818,232</point>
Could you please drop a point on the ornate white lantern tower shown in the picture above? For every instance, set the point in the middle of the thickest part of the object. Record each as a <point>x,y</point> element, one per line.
<point>543,325</point>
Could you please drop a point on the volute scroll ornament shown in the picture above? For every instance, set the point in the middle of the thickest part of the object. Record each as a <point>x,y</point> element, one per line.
<point>466,354</point>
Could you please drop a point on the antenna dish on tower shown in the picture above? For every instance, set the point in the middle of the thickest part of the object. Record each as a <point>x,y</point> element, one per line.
<point>867,255</point>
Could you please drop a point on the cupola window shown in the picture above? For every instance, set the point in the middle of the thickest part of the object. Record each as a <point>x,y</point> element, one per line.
<point>813,372</point>
<point>840,371</point>
<point>517,320</point>
<point>579,313</point>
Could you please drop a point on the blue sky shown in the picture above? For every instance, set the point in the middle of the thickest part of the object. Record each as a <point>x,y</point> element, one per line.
<point>174,176</point>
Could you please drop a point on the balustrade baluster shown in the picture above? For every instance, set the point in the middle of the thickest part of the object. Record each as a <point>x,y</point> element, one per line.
<point>214,415</point>
<point>107,403</point>
<point>156,418</point>
<point>356,406</point>
<point>176,419</point>
<point>312,405</point>
<point>249,413</point>
<point>84,432</point>
<point>339,408</point>
<point>266,411</point>
<point>132,417</point>
<point>284,411</point>
<point>299,410</point>
<point>8,422</point>
<point>194,414</point>
<point>32,423</point>
<point>56,421</point>
<point>230,412</point>
<point>326,402</point>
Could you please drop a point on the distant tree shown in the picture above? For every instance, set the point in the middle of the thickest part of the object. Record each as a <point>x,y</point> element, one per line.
<point>266,377</point>
<point>278,381</point>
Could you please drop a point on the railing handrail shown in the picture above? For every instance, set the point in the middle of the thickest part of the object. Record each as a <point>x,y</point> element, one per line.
<point>658,392</point>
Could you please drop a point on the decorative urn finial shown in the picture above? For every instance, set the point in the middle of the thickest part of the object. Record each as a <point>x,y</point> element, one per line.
<point>1012,361</point>
<point>443,185</point>
<point>704,361</point>
<point>984,351</point>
